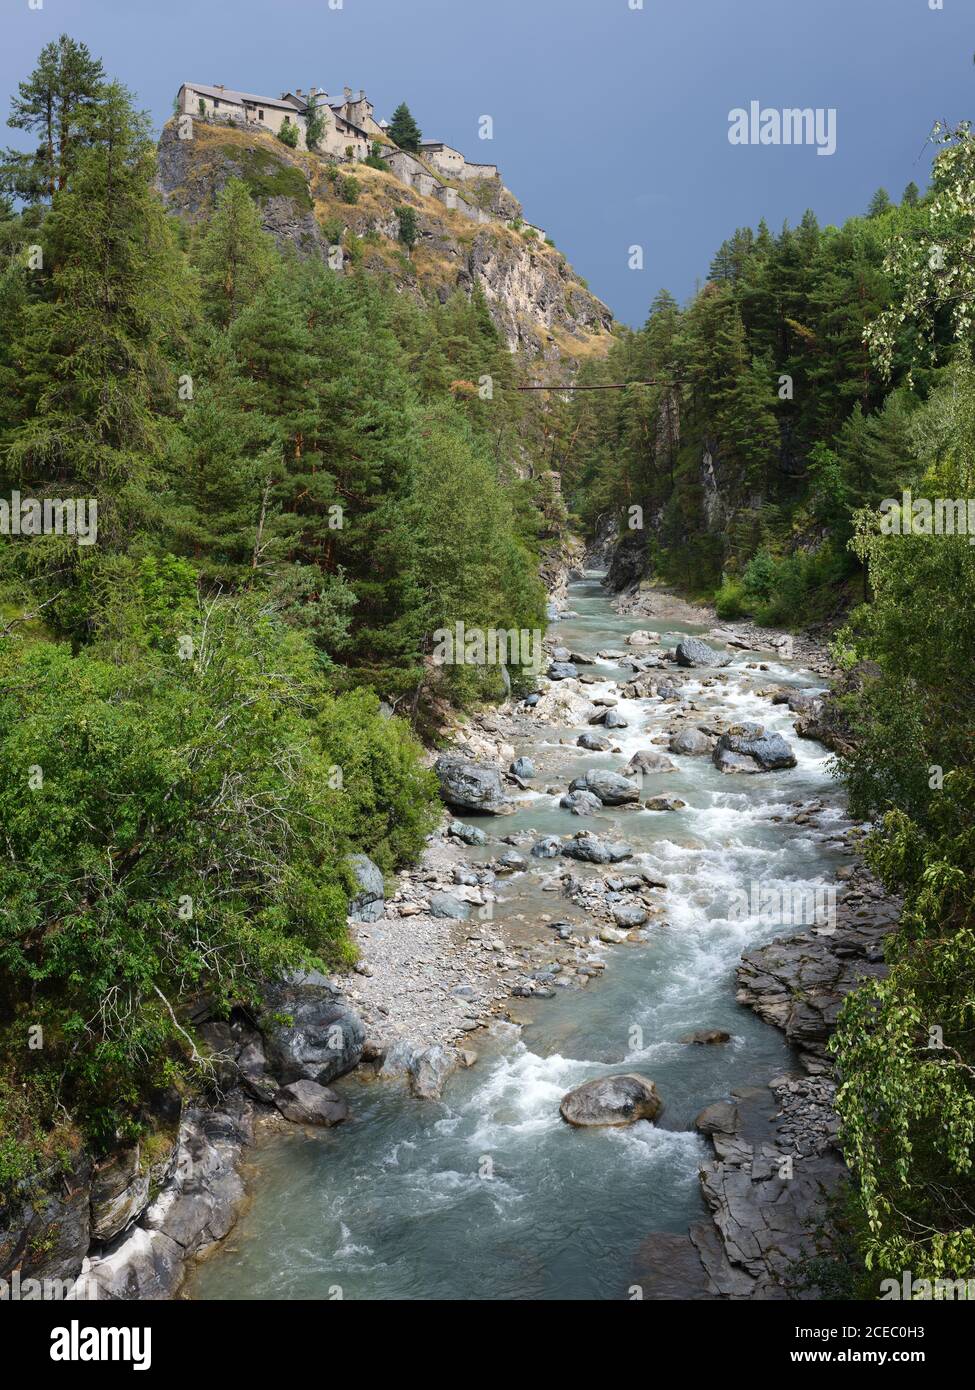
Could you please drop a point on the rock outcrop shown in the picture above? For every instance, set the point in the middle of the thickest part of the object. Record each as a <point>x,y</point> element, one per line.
<point>611,1100</point>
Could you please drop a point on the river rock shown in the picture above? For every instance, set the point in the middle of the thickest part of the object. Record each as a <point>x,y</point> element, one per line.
<point>593,850</point>
<point>429,1070</point>
<point>369,904</point>
<point>562,671</point>
<point>665,803</point>
<point>750,748</point>
<point>615,720</point>
<point>611,1100</point>
<point>611,788</point>
<point>648,760</point>
<point>691,742</point>
<point>307,1103</point>
<point>593,743</point>
<point>691,651</point>
<point>629,915</point>
<point>550,847</point>
<point>468,834</point>
<point>322,1041</point>
<point>445,905</point>
<point>523,768</point>
<point>707,1037</point>
<point>580,803</point>
<point>472,786</point>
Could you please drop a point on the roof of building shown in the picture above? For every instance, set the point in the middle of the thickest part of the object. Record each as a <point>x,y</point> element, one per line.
<point>238,98</point>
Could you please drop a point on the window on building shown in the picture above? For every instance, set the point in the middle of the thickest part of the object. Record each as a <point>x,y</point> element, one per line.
<point>216,102</point>
<point>260,115</point>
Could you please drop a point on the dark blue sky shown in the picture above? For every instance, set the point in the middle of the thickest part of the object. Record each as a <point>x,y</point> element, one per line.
<point>611,123</point>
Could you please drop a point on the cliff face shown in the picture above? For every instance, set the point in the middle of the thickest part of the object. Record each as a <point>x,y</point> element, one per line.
<point>539,304</point>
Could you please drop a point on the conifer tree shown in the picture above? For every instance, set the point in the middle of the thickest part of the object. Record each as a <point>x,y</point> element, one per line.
<point>64,86</point>
<point>404,131</point>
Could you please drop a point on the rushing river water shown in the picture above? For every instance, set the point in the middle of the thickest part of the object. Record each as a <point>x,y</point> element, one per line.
<point>489,1195</point>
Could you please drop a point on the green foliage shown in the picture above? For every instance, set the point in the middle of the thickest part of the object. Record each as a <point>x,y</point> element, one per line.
<point>404,131</point>
<point>314,126</point>
<point>409,229</point>
<point>52,104</point>
<point>288,134</point>
<point>906,1044</point>
<point>267,176</point>
<point>349,189</point>
<point>298,480</point>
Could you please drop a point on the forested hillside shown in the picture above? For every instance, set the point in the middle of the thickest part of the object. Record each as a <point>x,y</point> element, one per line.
<point>818,374</point>
<point>298,480</point>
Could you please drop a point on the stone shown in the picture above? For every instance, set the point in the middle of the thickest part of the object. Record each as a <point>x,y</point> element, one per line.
<point>119,1194</point>
<point>665,803</point>
<point>447,906</point>
<point>707,1037</point>
<point>648,760</point>
<point>750,748</point>
<point>369,903</point>
<point>593,743</point>
<point>524,768</point>
<point>322,1041</point>
<point>469,834</point>
<point>691,651</point>
<point>629,915</point>
<point>307,1103</point>
<point>580,803</point>
<point>429,1070</point>
<point>593,850</point>
<point>550,847</point>
<point>691,742</point>
<point>512,860</point>
<point>472,786</point>
<point>562,671</point>
<point>611,788</point>
<point>615,720</point>
<point>611,1100</point>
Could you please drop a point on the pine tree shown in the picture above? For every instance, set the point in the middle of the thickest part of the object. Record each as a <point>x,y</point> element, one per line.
<point>911,196</point>
<point>235,257</point>
<point>879,203</point>
<point>64,86</point>
<point>404,131</point>
<point>93,415</point>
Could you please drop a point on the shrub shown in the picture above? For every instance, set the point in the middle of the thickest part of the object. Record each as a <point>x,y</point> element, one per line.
<point>409,229</point>
<point>349,189</point>
<point>730,600</point>
<point>288,135</point>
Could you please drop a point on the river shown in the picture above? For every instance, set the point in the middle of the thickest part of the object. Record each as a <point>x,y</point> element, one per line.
<point>488,1194</point>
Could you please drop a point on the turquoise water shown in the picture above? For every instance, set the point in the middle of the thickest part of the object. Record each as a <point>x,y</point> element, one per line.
<point>489,1195</point>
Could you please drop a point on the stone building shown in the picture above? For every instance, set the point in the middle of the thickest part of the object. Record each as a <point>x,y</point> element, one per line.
<point>221,103</point>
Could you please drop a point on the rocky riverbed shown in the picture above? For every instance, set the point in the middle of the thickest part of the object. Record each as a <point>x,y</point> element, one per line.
<point>558,871</point>
<point>592,838</point>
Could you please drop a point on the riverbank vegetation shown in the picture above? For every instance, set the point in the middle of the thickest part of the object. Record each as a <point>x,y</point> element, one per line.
<point>208,711</point>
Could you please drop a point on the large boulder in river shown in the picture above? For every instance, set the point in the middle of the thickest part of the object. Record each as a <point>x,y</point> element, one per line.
<point>471,786</point>
<point>580,803</point>
<point>611,788</point>
<point>428,1071</point>
<point>692,742</point>
<point>369,903</point>
<point>593,850</point>
<point>562,671</point>
<point>307,1103</point>
<point>751,748</point>
<point>612,1100</point>
<point>594,743</point>
<point>309,1034</point>
<point>691,651</point>
<point>648,760</point>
